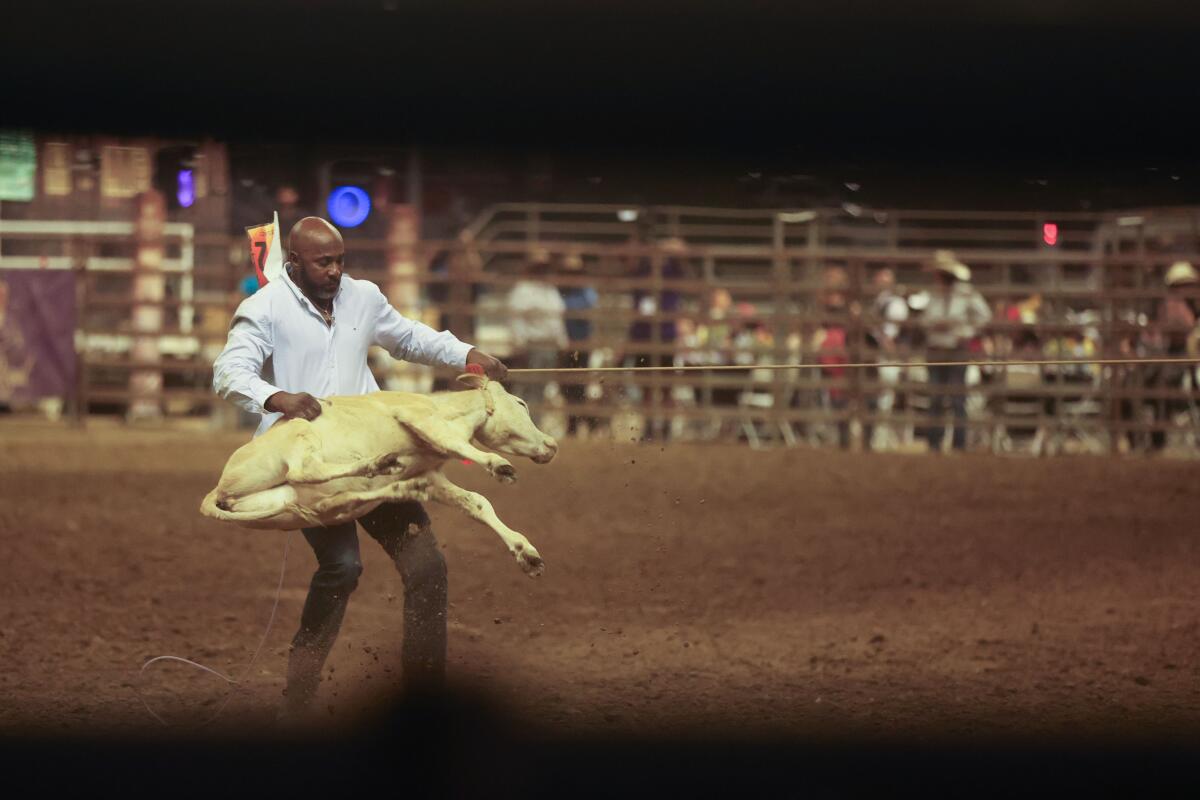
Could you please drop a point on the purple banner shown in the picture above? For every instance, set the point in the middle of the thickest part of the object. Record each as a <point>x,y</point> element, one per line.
<point>37,334</point>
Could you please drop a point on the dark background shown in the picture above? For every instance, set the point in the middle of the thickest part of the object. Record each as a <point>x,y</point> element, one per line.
<point>1052,104</point>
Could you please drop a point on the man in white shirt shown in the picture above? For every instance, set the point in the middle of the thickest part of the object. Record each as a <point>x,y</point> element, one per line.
<point>954,315</point>
<point>539,331</point>
<point>304,336</point>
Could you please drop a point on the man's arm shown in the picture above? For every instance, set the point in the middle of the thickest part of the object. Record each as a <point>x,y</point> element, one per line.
<point>414,341</point>
<point>237,372</point>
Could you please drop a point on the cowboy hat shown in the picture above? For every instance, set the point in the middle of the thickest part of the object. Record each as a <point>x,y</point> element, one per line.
<point>1181,273</point>
<point>674,245</point>
<point>945,261</point>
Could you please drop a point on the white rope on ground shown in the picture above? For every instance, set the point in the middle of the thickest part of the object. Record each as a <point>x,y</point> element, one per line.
<point>270,621</point>
<point>860,365</point>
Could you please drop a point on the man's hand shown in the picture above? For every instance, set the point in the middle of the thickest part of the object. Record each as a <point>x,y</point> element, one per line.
<point>493,367</point>
<point>294,406</point>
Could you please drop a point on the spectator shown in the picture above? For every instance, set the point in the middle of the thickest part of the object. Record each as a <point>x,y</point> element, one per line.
<point>954,315</point>
<point>753,341</point>
<point>579,332</point>
<point>833,343</point>
<point>1177,318</point>
<point>539,333</point>
<point>1181,309</point>
<point>890,312</point>
<point>718,330</point>
<point>647,305</point>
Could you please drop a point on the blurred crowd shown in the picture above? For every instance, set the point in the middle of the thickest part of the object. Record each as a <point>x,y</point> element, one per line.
<point>901,400</point>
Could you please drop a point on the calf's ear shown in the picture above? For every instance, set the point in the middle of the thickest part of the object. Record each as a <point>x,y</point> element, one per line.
<point>473,380</point>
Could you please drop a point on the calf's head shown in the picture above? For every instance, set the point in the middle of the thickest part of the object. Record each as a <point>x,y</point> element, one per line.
<point>508,428</point>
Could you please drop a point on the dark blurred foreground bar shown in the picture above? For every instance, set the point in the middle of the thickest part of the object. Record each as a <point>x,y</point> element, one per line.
<point>436,746</point>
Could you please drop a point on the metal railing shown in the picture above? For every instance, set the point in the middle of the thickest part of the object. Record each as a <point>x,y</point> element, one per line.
<point>1095,289</point>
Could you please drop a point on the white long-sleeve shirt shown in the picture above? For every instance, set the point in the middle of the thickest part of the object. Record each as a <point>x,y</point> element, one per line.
<point>279,341</point>
<point>537,310</point>
<point>962,309</point>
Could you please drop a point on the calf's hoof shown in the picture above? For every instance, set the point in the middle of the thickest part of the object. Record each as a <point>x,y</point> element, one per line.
<point>530,561</point>
<point>505,473</point>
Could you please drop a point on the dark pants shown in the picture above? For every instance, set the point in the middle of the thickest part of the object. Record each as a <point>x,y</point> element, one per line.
<point>655,427</point>
<point>841,402</point>
<point>404,531</point>
<point>947,376</point>
<point>575,390</point>
<point>1156,377</point>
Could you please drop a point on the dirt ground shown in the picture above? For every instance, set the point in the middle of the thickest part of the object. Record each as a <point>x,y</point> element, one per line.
<point>687,588</point>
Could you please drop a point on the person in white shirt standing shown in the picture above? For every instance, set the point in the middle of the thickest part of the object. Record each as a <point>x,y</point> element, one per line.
<point>955,313</point>
<point>889,313</point>
<point>539,331</point>
<point>304,336</point>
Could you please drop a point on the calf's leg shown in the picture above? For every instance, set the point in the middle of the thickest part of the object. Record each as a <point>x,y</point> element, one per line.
<point>477,507</point>
<point>412,489</point>
<point>309,467</point>
<point>441,438</point>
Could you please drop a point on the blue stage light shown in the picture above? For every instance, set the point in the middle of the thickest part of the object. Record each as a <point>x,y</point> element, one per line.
<point>186,188</point>
<point>348,206</point>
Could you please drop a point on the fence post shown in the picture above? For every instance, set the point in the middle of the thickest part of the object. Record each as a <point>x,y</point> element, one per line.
<point>855,335</point>
<point>783,298</point>
<point>145,379</point>
<point>458,293</point>
<point>79,408</point>
<point>1108,374</point>
<point>402,288</point>
<point>656,341</point>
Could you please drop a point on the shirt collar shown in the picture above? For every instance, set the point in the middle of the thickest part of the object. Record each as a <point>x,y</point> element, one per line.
<point>302,297</point>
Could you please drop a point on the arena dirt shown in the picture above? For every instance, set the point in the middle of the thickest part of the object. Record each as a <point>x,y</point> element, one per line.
<point>688,589</point>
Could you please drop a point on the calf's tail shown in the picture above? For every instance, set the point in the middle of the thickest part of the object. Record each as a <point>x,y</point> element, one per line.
<point>209,507</point>
<point>218,509</point>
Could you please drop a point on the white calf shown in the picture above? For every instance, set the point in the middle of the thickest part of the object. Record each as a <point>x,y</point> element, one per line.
<point>366,450</point>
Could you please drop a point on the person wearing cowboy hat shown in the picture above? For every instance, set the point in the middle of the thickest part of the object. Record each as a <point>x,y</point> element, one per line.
<point>955,313</point>
<point>578,300</point>
<point>1180,311</point>
<point>1177,317</point>
<point>1182,307</point>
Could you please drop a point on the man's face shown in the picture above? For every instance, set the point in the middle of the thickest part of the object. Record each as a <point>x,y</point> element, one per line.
<point>318,261</point>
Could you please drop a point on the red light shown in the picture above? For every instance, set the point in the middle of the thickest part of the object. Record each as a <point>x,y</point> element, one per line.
<point>1050,233</point>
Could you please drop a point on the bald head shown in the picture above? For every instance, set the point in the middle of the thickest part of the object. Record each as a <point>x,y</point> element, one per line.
<point>317,255</point>
<point>311,228</point>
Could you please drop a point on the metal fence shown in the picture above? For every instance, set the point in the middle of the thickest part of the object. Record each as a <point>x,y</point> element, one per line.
<point>748,288</point>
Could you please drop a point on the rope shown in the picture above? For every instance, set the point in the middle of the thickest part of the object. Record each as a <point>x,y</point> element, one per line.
<point>860,365</point>
<point>271,621</point>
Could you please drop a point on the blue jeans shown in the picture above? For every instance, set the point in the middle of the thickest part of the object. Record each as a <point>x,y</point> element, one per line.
<point>947,376</point>
<point>404,531</point>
